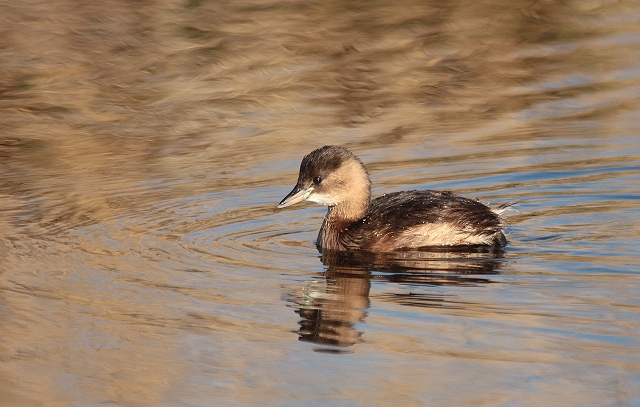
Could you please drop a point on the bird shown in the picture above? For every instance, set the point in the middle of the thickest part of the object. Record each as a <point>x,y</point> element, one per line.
<point>333,176</point>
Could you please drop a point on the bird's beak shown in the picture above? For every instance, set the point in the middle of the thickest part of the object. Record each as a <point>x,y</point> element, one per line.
<point>298,194</point>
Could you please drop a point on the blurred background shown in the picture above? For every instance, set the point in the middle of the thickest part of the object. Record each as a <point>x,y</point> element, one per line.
<point>145,144</point>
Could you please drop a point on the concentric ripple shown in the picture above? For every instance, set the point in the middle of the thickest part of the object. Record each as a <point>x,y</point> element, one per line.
<point>257,237</point>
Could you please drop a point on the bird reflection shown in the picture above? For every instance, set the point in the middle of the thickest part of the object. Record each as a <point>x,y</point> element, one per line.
<point>331,306</point>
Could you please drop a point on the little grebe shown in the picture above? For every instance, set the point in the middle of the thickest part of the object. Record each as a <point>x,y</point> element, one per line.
<point>334,177</point>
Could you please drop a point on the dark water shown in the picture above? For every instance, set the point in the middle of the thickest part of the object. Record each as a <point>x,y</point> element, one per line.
<point>144,146</point>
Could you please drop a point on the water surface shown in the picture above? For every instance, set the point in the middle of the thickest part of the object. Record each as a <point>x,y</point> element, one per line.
<point>145,145</point>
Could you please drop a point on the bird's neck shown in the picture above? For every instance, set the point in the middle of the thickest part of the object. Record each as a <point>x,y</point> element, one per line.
<point>350,211</point>
<point>337,221</point>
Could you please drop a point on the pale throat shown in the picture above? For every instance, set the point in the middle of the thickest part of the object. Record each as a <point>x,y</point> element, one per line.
<point>350,202</point>
<point>352,210</point>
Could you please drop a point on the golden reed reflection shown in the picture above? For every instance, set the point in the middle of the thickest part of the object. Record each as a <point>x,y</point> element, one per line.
<point>142,139</point>
<point>330,307</point>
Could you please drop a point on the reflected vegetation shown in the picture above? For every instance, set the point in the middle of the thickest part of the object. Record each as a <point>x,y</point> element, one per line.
<point>145,144</point>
